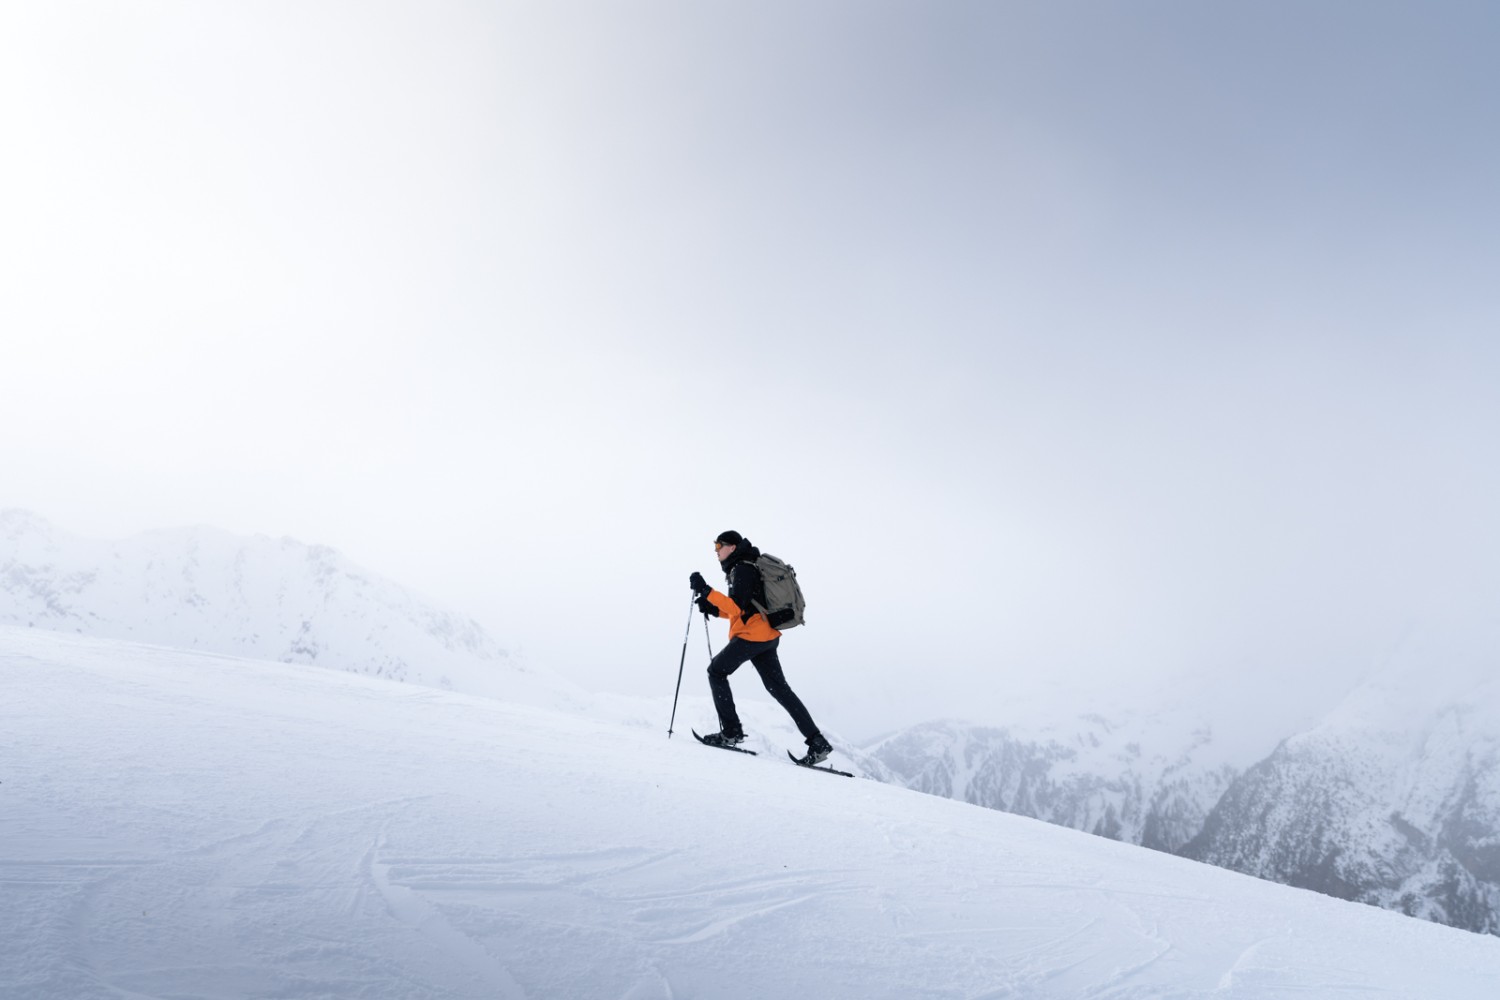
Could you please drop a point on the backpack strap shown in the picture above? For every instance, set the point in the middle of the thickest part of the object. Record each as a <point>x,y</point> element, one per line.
<point>749,604</point>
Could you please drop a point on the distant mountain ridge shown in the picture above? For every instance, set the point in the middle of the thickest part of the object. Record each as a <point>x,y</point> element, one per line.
<point>271,599</point>
<point>1393,799</point>
<point>1135,778</point>
<point>1406,818</point>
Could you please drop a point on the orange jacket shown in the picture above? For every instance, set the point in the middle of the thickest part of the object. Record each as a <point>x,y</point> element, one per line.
<point>751,628</point>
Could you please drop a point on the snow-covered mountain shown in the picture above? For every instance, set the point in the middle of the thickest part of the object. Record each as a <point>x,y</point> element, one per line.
<point>1393,800</point>
<point>1144,778</point>
<point>270,599</point>
<point>176,824</point>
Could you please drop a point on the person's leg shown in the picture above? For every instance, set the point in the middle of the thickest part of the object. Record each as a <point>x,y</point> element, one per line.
<point>728,660</point>
<point>769,666</point>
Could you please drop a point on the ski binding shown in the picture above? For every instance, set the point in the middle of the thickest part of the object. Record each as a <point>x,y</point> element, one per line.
<point>815,767</point>
<point>720,746</point>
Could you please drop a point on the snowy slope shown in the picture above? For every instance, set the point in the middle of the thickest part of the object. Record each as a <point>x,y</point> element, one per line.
<point>271,599</point>
<point>174,824</point>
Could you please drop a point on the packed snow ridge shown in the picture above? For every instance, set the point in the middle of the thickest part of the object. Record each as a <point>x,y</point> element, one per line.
<point>177,824</point>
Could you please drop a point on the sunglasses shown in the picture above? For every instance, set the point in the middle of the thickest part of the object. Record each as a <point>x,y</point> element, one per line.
<point>720,545</point>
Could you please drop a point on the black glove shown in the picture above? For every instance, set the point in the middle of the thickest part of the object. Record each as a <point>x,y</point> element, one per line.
<point>706,606</point>
<point>699,585</point>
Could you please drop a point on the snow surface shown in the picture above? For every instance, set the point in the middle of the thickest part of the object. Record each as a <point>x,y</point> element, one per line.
<point>179,824</point>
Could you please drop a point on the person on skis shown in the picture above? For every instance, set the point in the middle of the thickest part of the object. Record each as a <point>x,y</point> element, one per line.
<point>751,639</point>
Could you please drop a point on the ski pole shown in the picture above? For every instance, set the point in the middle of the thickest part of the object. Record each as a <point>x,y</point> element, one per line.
<point>707,640</point>
<point>681,660</point>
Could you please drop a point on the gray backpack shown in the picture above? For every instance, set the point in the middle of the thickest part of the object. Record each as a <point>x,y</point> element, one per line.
<point>784,603</point>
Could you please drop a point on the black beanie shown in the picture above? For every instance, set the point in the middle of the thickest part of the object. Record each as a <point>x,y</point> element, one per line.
<point>730,538</point>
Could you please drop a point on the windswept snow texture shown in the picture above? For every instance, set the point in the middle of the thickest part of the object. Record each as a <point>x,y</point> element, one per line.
<point>202,588</point>
<point>174,824</point>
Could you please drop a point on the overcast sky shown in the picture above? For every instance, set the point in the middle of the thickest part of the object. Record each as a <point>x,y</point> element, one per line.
<point>1090,345</point>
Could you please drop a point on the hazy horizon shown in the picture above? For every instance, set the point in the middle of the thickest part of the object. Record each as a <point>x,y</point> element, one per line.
<point>1066,347</point>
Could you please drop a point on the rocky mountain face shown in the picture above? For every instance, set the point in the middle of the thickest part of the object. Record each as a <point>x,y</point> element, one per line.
<point>269,599</point>
<point>1402,817</point>
<point>1133,779</point>
<point>1393,799</point>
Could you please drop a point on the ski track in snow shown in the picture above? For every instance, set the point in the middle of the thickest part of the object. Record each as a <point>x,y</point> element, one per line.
<point>179,826</point>
<point>407,904</point>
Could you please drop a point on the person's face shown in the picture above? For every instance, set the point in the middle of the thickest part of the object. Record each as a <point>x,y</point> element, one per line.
<point>723,551</point>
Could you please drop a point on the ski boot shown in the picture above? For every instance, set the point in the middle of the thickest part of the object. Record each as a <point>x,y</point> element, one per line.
<point>818,750</point>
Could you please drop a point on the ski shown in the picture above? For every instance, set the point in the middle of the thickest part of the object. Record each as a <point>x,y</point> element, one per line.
<point>816,767</point>
<point>717,746</point>
<point>794,760</point>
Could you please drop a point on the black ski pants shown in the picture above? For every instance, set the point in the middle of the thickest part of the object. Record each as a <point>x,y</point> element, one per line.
<point>762,656</point>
